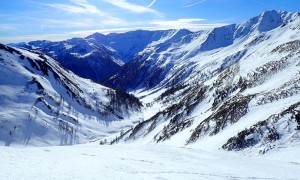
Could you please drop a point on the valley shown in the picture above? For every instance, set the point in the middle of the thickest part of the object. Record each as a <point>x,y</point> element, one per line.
<point>165,104</point>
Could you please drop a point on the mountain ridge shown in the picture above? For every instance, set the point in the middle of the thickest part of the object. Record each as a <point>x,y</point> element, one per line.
<point>234,87</point>
<point>43,104</point>
<point>98,56</point>
<point>216,38</point>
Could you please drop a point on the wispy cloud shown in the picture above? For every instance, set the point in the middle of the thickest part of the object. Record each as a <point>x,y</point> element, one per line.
<point>192,24</point>
<point>113,21</point>
<point>152,3</point>
<point>194,4</point>
<point>67,23</point>
<point>135,8</point>
<point>95,17</point>
<point>6,27</point>
<point>78,7</point>
<point>89,22</point>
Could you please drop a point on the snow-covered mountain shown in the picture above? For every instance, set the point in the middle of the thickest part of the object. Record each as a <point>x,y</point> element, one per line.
<point>234,87</point>
<point>164,61</point>
<point>85,57</point>
<point>43,104</point>
<point>128,44</point>
<point>99,56</point>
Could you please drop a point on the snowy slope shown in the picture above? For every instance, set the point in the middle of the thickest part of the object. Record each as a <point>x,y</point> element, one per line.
<point>43,104</point>
<point>235,87</point>
<point>85,57</point>
<point>142,162</point>
<point>130,43</point>
<point>175,58</point>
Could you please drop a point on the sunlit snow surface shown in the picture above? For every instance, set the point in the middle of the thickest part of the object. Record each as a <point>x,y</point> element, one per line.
<point>142,162</point>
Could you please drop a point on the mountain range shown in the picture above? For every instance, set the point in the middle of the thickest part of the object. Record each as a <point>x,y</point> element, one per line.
<point>234,87</point>
<point>97,56</point>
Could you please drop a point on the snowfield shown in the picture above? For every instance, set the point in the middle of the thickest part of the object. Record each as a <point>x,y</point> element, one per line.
<point>92,161</point>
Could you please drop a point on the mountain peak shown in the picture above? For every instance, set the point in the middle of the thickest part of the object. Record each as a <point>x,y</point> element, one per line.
<point>95,36</point>
<point>270,20</point>
<point>273,12</point>
<point>266,21</point>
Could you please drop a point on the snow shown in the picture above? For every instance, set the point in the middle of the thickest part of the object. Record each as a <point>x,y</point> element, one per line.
<point>34,116</point>
<point>92,161</point>
<point>219,59</point>
<point>82,56</point>
<point>67,46</point>
<point>130,43</point>
<point>254,115</point>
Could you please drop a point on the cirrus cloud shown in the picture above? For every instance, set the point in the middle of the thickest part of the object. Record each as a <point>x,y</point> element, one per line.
<point>135,8</point>
<point>188,23</point>
<point>78,7</point>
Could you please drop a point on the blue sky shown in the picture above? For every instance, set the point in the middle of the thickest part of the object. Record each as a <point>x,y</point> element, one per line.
<point>25,20</point>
